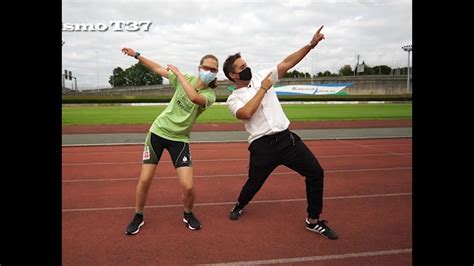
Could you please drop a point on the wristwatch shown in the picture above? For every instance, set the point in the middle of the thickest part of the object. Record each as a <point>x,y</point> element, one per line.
<point>136,55</point>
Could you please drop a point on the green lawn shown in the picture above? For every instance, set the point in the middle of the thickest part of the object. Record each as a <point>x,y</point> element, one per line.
<point>107,115</point>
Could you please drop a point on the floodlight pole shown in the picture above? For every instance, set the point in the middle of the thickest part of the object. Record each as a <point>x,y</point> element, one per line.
<point>357,65</point>
<point>64,84</point>
<point>97,53</point>
<point>408,48</point>
<point>75,83</point>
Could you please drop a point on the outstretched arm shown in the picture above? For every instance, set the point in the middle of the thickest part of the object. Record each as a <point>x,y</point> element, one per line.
<point>294,58</point>
<point>155,67</point>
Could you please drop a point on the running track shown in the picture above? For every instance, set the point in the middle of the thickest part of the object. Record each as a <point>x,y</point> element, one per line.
<point>368,202</point>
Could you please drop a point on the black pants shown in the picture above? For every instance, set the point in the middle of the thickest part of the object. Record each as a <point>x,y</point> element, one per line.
<point>284,148</point>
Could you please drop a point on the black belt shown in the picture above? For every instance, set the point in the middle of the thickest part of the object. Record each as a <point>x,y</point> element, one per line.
<point>274,134</point>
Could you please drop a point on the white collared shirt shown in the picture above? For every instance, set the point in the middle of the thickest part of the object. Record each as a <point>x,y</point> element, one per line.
<point>269,117</point>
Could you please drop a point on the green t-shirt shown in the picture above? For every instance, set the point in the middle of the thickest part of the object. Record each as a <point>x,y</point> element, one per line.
<point>176,121</point>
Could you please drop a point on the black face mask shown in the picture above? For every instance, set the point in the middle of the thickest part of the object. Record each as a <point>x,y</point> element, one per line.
<point>245,74</point>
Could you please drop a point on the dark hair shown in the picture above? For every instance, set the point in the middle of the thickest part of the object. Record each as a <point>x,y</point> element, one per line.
<point>212,84</point>
<point>229,65</point>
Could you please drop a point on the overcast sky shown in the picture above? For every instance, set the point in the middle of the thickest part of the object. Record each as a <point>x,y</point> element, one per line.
<point>264,31</point>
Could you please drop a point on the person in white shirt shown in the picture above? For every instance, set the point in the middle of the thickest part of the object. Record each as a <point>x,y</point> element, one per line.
<point>271,144</point>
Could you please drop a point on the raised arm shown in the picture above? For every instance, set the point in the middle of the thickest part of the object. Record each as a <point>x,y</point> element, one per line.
<point>155,67</point>
<point>294,58</point>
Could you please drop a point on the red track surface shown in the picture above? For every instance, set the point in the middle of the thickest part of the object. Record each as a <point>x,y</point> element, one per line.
<point>200,127</point>
<point>368,202</point>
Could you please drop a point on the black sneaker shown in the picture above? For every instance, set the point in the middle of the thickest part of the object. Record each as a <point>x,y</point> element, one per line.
<point>321,228</point>
<point>236,212</point>
<point>134,226</point>
<point>191,221</point>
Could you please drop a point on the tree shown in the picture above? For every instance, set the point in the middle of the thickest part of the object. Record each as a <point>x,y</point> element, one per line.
<point>136,75</point>
<point>296,74</point>
<point>368,70</point>
<point>382,70</point>
<point>118,78</point>
<point>291,74</point>
<point>346,70</point>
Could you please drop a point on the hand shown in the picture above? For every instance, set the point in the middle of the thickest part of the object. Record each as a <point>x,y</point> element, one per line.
<point>128,51</point>
<point>267,83</point>
<point>173,69</point>
<point>316,38</point>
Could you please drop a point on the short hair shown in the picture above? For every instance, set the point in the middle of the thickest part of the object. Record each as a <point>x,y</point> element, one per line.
<point>229,64</point>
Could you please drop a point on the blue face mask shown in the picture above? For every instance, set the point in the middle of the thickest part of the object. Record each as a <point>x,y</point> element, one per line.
<point>207,76</point>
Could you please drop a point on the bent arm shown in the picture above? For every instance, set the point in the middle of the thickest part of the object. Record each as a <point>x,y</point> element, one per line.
<point>192,94</point>
<point>247,111</point>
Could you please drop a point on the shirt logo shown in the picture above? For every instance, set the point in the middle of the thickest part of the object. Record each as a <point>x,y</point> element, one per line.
<point>185,105</point>
<point>185,159</point>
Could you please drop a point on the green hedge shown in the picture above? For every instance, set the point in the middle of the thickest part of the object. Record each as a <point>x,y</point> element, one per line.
<point>163,99</point>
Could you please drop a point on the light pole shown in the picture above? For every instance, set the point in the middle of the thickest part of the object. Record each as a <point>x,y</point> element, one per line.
<point>357,65</point>
<point>97,53</point>
<point>408,48</point>
<point>357,62</point>
<point>380,64</point>
<point>305,69</point>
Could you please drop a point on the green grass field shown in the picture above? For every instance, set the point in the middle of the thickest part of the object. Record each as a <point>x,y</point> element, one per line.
<point>110,115</point>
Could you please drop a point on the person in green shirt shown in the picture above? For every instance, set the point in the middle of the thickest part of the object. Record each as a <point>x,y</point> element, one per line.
<point>171,130</point>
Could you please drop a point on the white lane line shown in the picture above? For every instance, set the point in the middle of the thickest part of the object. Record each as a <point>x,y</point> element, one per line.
<point>369,147</point>
<point>316,258</point>
<point>236,175</point>
<point>246,159</point>
<point>241,141</point>
<point>196,149</point>
<point>233,202</point>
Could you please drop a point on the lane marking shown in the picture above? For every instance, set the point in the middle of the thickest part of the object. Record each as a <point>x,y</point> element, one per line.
<point>246,159</point>
<point>235,175</point>
<point>316,258</point>
<point>233,202</point>
<point>216,150</point>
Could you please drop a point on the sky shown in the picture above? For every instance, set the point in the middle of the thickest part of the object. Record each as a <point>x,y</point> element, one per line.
<point>181,32</point>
